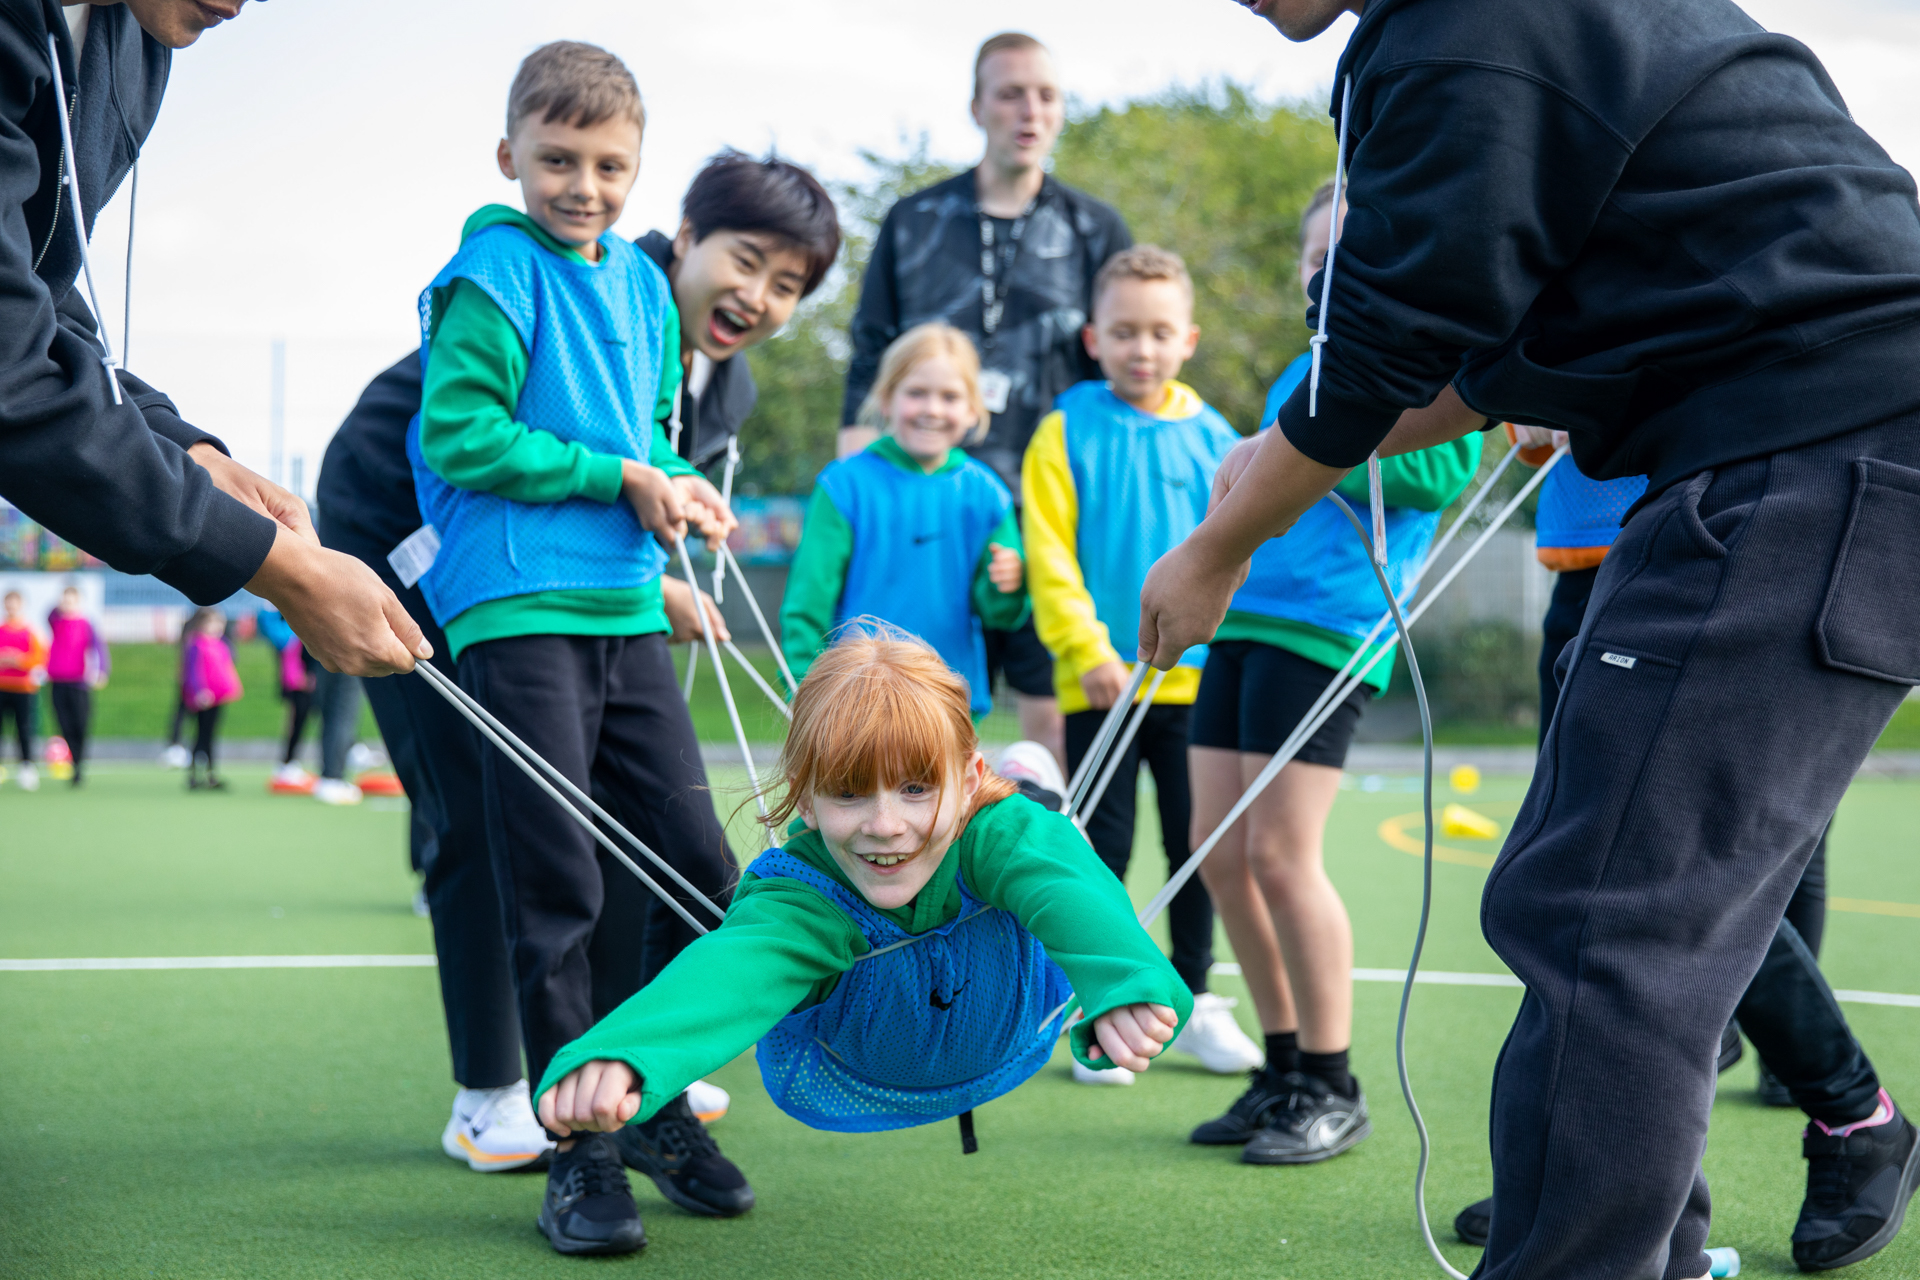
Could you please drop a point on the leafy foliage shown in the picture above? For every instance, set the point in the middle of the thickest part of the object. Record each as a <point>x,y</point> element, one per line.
<point>1214,174</point>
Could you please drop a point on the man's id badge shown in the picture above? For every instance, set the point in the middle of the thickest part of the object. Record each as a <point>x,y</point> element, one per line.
<point>995,387</point>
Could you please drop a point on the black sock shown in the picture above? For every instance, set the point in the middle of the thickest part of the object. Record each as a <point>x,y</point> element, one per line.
<point>1283,1052</point>
<point>1330,1067</point>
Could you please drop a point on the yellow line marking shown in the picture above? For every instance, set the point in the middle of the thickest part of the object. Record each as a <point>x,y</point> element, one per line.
<point>1395,832</point>
<point>1865,906</point>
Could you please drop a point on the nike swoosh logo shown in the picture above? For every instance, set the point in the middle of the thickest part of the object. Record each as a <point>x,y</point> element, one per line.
<point>922,538</point>
<point>933,997</point>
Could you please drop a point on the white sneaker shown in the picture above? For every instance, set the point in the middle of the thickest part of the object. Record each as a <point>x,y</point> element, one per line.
<point>335,791</point>
<point>1100,1075</point>
<point>1031,762</point>
<point>494,1129</point>
<point>360,757</point>
<point>291,780</point>
<point>1213,1036</point>
<point>175,757</point>
<point>709,1101</point>
<point>29,778</point>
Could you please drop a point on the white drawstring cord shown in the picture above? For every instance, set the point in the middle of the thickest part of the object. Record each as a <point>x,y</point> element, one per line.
<point>80,221</point>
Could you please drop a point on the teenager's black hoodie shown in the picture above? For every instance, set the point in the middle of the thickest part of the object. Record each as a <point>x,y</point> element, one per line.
<point>113,479</point>
<point>1648,222</point>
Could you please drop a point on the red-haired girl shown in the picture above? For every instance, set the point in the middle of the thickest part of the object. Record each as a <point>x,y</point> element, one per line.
<point>908,954</point>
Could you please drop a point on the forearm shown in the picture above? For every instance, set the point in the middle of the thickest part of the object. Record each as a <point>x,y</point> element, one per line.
<point>1274,490</point>
<point>1447,418</point>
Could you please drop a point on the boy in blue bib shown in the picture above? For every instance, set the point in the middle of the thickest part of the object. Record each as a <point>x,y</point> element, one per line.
<point>550,354</point>
<point>911,531</point>
<point>910,953</point>
<point>1117,475</point>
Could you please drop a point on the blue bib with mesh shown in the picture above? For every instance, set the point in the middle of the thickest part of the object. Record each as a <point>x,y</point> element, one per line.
<point>594,338</point>
<point>923,1026</point>
<point>1577,512</point>
<point>1142,484</point>
<point>917,540</point>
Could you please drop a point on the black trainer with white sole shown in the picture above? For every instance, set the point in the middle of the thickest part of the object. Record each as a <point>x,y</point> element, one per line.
<point>1858,1187</point>
<point>1249,1113</point>
<point>1314,1124</point>
<point>677,1152</point>
<point>589,1206</point>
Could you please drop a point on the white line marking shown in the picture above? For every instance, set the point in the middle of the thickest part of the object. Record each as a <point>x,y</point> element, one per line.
<point>221,962</point>
<point>1440,977</point>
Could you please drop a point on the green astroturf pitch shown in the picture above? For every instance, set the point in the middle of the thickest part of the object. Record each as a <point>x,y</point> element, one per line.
<point>285,1122</point>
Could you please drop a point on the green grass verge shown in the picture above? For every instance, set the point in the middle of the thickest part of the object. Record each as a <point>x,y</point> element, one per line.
<point>285,1123</point>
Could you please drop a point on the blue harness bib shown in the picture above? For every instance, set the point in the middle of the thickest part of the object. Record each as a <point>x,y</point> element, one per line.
<point>594,338</point>
<point>916,542</point>
<point>1578,512</point>
<point>923,1027</point>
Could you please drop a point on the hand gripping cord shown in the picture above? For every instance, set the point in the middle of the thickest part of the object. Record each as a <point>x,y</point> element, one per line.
<point>533,765</point>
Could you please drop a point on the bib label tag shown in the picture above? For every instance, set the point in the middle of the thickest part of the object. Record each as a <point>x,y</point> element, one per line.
<point>415,555</point>
<point>995,387</point>
<point>1619,660</point>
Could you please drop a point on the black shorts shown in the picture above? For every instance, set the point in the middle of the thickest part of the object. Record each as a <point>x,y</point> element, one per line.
<point>1252,695</point>
<point>1020,656</point>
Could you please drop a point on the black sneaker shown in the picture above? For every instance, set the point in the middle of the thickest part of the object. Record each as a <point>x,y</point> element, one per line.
<point>1473,1223</point>
<point>1772,1093</point>
<point>589,1206</point>
<point>677,1152</point>
<point>1249,1113</point>
<point>1857,1192</point>
<point>1313,1124</point>
<point>1731,1050</point>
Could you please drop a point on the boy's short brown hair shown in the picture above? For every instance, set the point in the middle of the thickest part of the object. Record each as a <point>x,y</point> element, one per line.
<point>1005,42</point>
<point>580,83</point>
<point>1143,262</point>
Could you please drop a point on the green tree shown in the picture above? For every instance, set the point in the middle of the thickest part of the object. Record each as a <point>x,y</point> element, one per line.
<point>1215,174</point>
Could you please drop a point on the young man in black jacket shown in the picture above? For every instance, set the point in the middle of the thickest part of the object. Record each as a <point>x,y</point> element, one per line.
<point>116,471</point>
<point>756,237</point>
<point>1653,225</point>
<point>1006,255</point>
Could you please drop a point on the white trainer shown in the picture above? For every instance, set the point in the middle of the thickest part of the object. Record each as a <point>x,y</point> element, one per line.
<point>1213,1036</point>
<point>494,1130</point>
<point>175,757</point>
<point>29,779</point>
<point>335,791</point>
<point>709,1101</point>
<point>1100,1075</point>
<point>1029,761</point>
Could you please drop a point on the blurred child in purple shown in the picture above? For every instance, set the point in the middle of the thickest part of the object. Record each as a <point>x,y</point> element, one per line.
<point>208,682</point>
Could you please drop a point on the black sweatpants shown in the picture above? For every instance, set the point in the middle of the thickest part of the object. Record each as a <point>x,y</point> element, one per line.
<point>608,713</point>
<point>436,755</point>
<point>1749,636</point>
<point>25,711</point>
<point>1565,610</point>
<point>1161,745</point>
<point>299,707</point>
<point>206,736</point>
<point>73,711</point>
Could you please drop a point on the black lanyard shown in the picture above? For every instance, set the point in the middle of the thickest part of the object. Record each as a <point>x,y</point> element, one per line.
<point>993,301</point>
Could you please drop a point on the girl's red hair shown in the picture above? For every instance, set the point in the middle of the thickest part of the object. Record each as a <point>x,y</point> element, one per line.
<point>877,710</point>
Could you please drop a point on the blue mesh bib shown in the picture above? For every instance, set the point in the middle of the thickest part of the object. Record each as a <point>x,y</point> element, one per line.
<point>923,1027</point>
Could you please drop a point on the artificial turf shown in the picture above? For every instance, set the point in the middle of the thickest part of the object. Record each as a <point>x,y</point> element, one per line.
<point>266,1123</point>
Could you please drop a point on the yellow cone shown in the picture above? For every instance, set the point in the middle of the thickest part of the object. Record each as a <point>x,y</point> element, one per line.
<point>1461,822</point>
<point>1465,779</point>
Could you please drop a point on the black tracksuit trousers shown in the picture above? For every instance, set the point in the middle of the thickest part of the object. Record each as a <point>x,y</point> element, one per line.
<point>1161,745</point>
<point>608,713</point>
<point>436,754</point>
<point>1749,636</point>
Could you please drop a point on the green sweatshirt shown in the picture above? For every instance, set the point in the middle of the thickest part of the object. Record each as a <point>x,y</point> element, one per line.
<point>783,947</point>
<point>469,437</point>
<point>818,572</point>
<point>1426,480</point>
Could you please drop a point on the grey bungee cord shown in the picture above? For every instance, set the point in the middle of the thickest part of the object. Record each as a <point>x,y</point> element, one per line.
<point>80,220</point>
<point>126,295</point>
<point>726,691</point>
<point>1118,752</point>
<point>779,703</point>
<point>1082,774</point>
<point>766,632</point>
<point>531,764</point>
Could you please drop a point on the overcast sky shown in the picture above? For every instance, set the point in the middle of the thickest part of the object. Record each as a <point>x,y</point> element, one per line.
<point>314,161</point>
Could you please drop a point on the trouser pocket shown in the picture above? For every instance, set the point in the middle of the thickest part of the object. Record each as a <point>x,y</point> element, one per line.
<point>1870,622</point>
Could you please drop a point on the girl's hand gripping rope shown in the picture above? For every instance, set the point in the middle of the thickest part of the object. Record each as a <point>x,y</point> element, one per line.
<point>1132,1035</point>
<point>598,1097</point>
<point>1005,570</point>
